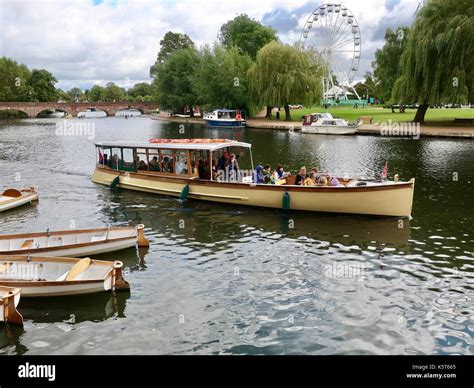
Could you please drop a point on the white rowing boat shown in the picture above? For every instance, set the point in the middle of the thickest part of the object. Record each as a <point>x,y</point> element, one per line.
<point>12,198</point>
<point>9,299</point>
<point>57,276</point>
<point>73,243</point>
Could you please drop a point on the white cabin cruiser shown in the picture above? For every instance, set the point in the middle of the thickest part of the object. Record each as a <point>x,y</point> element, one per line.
<point>326,124</point>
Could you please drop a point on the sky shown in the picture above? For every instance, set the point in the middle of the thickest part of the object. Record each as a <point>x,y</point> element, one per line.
<point>88,42</point>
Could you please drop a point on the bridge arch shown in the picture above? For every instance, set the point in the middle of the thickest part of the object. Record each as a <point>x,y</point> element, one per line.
<point>13,113</point>
<point>43,111</point>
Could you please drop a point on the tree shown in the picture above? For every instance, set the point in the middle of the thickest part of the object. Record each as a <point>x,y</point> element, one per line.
<point>387,61</point>
<point>97,93</point>
<point>113,93</point>
<point>42,86</point>
<point>368,87</point>
<point>284,74</point>
<point>171,42</point>
<point>247,34</point>
<point>436,65</point>
<point>75,94</point>
<point>220,78</point>
<point>14,81</point>
<point>173,81</point>
<point>140,89</point>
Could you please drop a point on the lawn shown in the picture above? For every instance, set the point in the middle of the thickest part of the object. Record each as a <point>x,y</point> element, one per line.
<point>433,116</point>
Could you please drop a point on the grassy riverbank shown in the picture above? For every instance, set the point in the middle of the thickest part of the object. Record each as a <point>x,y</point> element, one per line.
<point>442,117</point>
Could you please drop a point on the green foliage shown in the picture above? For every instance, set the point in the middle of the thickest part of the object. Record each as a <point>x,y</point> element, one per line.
<point>368,87</point>
<point>97,93</point>
<point>140,89</point>
<point>75,94</point>
<point>14,80</point>
<point>42,84</point>
<point>171,42</point>
<point>113,93</point>
<point>387,61</point>
<point>437,63</point>
<point>284,74</point>
<point>173,80</point>
<point>247,34</point>
<point>220,78</point>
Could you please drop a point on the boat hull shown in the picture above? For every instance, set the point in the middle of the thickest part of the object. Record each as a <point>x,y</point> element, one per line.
<point>388,200</point>
<point>226,123</point>
<point>328,130</point>
<point>75,243</point>
<point>48,276</point>
<point>26,198</point>
<point>9,299</point>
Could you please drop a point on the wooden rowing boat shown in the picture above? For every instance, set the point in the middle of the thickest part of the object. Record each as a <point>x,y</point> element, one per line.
<point>56,276</point>
<point>12,198</point>
<point>73,243</point>
<point>9,299</point>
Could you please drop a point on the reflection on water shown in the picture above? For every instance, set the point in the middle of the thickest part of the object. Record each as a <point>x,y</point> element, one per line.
<point>229,279</point>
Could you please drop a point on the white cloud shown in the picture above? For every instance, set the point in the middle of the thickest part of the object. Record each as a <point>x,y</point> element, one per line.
<point>83,44</point>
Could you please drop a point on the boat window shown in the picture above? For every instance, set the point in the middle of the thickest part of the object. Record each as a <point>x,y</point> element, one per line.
<point>181,162</point>
<point>103,156</point>
<point>153,159</point>
<point>200,164</point>
<point>114,159</point>
<point>127,162</point>
<point>167,161</point>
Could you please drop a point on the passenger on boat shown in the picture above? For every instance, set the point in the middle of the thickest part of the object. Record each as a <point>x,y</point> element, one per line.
<point>223,161</point>
<point>322,181</point>
<point>259,173</point>
<point>280,173</point>
<point>154,165</point>
<point>335,182</point>
<point>310,180</point>
<point>141,165</point>
<point>301,176</point>
<point>105,160</point>
<point>267,174</point>
<point>165,165</point>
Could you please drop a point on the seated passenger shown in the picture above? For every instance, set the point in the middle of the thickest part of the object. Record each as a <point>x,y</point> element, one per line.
<point>301,176</point>
<point>105,161</point>
<point>141,165</point>
<point>267,174</point>
<point>154,165</point>
<point>280,173</point>
<point>258,174</point>
<point>335,182</point>
<point>322,181</point>
<point>165,165</point>
<point>223,161</point>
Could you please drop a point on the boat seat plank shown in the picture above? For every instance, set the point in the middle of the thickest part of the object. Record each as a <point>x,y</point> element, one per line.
<point>27,244</point>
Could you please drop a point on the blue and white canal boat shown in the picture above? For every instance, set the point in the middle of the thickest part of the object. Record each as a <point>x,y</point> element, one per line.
<point>225,118</point>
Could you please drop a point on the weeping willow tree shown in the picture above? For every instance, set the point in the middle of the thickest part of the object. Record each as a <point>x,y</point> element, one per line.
<point>284,75</point>
<point>437,63</point>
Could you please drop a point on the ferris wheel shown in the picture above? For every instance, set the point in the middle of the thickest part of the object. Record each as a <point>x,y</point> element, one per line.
<point>333,31</point>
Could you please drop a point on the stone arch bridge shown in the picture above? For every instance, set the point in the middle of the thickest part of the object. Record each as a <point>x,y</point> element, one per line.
<point>32,109</point>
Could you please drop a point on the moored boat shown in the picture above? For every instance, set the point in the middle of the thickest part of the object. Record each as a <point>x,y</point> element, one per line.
<point>225,118</point>
<point>325,124</point>
<point>191,168</point>
<point>58,276</point>
<point>9,299</point>
<point>12,198</point>
<point>74,242</point>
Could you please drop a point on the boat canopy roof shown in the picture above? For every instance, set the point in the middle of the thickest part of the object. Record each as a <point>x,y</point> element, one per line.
<point>180,144</point>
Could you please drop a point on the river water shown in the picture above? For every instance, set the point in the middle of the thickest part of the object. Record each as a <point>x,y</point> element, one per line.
<point>221,279</point>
